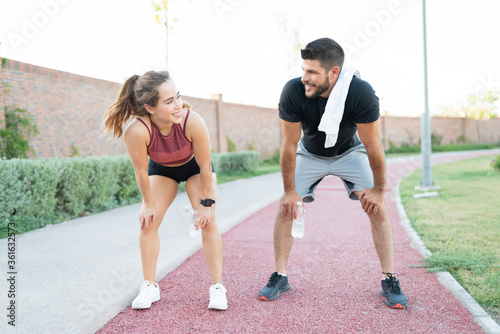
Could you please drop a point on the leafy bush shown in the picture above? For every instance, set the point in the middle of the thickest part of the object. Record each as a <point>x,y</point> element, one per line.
<point>11,195</point>
<point>495,163</point>
<point>275,159</point>
<point>403,149</point>
<point>19,127</point>
<point>129,191</point>
<point>462,139</point>
<point>246,161</point>
<point>457,147</point>
<point>436,139</point>
<point>441,148</point>
<point>72,190</point>
<point>231,146</point>
<point>39,192</point>
<point>103,184</point>
<point>27,194</point>
<point>36,193</point>
<point>392,145</point>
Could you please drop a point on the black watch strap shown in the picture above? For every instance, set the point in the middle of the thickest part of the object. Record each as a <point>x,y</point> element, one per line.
<point>207,202</point>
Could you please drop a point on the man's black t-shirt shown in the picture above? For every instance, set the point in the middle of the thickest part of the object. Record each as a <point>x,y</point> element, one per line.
<point>361,106</point>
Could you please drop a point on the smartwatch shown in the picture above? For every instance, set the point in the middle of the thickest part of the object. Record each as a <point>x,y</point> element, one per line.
<point>207,202</point>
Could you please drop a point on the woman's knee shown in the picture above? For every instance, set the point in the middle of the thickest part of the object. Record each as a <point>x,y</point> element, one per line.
<point>152,229</point>
<point>211,227</point>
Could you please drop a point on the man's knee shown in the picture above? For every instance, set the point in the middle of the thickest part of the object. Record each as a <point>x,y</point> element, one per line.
<point>283,217</point>
<point>380,216</point>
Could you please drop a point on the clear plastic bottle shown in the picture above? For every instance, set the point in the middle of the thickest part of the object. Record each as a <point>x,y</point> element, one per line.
<point>190,216</point>
<point>298,224</point>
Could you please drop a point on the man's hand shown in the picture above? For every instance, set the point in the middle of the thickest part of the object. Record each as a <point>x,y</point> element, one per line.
<point>371,200</point>
<point>288,203</point>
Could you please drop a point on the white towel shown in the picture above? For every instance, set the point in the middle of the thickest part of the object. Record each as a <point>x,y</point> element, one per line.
<point>334,110</point>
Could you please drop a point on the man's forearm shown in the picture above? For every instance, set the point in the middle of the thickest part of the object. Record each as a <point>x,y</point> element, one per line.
<point>377,164</point>
<point>287,162</point>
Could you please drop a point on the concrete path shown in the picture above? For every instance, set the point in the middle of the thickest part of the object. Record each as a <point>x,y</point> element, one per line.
<point>80,276</point>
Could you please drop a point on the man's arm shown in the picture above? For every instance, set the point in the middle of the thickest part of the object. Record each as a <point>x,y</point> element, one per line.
<point>368,134</point>
<point>291,132</point>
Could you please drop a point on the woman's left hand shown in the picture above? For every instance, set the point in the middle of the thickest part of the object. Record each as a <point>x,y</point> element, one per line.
<point>204,215</point>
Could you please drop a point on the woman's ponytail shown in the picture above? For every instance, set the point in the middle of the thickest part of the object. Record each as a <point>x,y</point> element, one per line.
<point>122,109</point>
<point>135,94</point>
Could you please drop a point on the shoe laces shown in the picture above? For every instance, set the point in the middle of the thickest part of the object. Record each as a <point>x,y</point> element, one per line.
<point>147,284</point>
<point>392,283</point>
<point>218,288</point>
<point>274,280</point>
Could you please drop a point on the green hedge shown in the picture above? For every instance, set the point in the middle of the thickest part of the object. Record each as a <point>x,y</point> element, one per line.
<point>246,161</point>
<point>441,148</point>
<point>36,193</point>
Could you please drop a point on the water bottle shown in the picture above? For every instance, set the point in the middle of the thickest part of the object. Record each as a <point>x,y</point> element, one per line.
<point>190,216</point>
<point>298,224</point>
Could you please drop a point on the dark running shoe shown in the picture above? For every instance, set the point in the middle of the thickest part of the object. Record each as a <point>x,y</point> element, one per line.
<point>392,291</point>
<point>277,284</point>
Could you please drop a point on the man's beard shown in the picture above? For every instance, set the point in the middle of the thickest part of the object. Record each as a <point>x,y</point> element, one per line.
<point>320,89</point>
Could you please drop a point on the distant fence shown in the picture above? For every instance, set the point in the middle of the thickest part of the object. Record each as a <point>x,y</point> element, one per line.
<point>68,110</point>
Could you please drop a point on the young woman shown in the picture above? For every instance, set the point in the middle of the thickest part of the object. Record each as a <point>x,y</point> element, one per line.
<point>177,143</point>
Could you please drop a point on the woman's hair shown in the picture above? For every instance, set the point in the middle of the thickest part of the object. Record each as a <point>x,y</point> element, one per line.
<point>135,93</point>
<point>327,51</point>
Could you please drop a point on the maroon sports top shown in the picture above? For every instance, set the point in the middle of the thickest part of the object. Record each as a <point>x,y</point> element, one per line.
<point>173,149</point>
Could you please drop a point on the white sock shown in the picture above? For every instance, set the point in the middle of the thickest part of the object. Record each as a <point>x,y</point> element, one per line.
<point>281,274</point>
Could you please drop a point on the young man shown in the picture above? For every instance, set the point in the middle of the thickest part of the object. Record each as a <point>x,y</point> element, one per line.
<point>359,162</point>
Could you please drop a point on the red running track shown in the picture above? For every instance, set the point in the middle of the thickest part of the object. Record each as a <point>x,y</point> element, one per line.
<point>333,270</point>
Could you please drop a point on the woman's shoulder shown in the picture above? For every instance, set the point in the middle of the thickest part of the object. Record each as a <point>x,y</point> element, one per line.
<point>194,125</point>
<point>139,126</point>
<point>193,116</point>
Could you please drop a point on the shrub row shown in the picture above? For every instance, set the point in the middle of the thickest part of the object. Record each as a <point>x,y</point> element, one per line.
<point>36,193</point>
<point>441,148</point>
<point>246,161</point>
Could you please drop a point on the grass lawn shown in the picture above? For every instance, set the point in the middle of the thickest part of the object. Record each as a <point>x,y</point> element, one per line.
<point>461,227</point>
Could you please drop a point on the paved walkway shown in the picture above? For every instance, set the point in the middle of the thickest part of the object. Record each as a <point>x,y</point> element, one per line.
<point>80,276</point>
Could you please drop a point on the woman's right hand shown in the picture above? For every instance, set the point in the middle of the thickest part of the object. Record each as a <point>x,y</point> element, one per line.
<point>147,214</point>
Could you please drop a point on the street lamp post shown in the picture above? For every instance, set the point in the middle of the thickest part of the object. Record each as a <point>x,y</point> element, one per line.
<point>425,125</point>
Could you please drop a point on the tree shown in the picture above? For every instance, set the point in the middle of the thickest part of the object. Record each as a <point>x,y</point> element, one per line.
<point>293,40</point>
<point>480,107</point>
<point>161,9</point>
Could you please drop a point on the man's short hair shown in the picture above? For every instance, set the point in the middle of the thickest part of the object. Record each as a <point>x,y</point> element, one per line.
<point>327,51</point>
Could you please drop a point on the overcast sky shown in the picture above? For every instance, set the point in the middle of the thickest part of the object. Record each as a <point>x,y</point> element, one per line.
<point>244,49</point>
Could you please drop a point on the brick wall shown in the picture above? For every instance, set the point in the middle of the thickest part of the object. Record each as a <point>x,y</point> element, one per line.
<point>406,130</point>
<point>2,102</point>
<point>68,110</point>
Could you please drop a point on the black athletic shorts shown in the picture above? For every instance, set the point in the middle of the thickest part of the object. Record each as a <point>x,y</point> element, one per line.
<point>179,173</point>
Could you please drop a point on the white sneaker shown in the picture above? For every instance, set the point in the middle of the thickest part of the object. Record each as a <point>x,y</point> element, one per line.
<point>218,300</point>
<point>149,294</point>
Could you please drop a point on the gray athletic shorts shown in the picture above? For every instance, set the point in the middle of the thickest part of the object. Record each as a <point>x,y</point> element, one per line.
<point>352,167</point>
